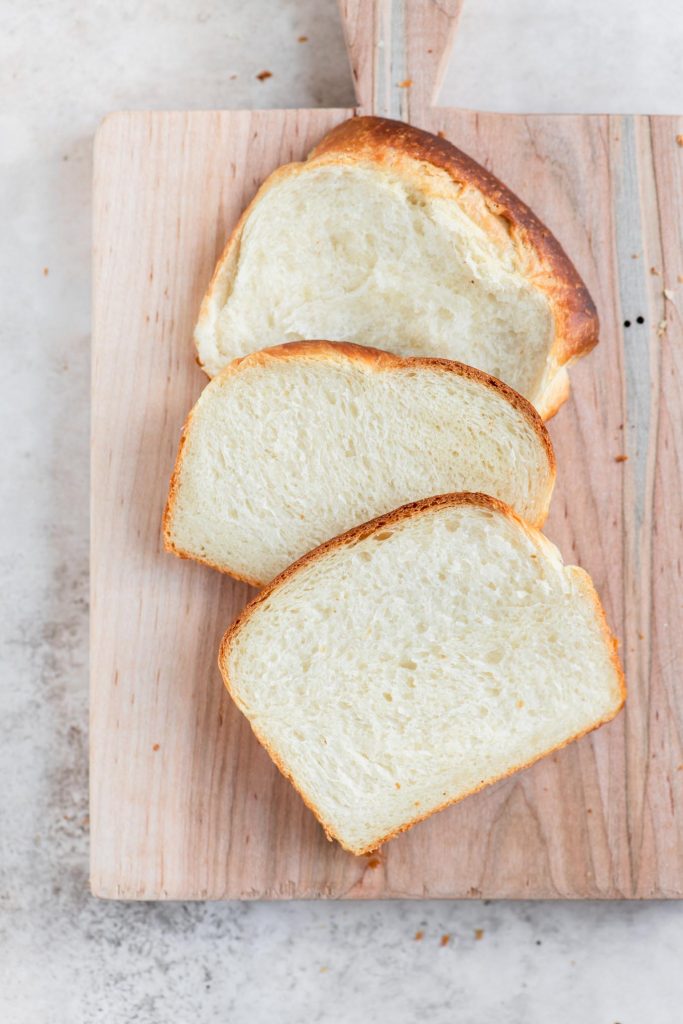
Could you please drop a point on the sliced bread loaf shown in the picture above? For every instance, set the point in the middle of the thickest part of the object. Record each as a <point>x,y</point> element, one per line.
<point>418,658</point>
<point>293,445</point>
<point>390,236</point>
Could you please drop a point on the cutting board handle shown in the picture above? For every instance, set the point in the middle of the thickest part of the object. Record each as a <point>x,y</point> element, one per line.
<point>398,51</point>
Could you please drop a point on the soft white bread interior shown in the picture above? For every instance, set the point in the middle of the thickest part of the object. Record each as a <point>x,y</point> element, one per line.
<point>293,445</point>
<point>388,236</point>
<point>417,659</point>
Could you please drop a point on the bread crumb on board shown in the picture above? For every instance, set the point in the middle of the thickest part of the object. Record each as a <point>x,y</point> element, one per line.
<point>262,75</point>
<point>679,140</point>
<point>406,83</point>
<point>419,935</point>
<point>668,294</point>
<point>445,939</point>
<point>302,39</point>
<point>478,934</point>
<point>46,271</point>
<point>654,271</point>
<point>621,458</point>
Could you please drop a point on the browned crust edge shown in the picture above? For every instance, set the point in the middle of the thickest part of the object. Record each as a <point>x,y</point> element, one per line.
<point>378,360</point>
<point>376,138</point>
<point>360,533</point>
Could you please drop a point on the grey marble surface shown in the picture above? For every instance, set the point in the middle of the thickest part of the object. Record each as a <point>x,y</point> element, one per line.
<point>64,957</point>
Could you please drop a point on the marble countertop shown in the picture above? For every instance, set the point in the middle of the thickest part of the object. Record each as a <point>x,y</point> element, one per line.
<point>66,958</point>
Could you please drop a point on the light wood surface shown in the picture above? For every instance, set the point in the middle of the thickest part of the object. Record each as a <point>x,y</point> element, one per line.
<point>184,802</point>
<point>398,51</point>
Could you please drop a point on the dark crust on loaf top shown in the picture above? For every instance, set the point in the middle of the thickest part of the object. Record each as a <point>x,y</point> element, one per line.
<point>377,138</point>
<point>426,505</point>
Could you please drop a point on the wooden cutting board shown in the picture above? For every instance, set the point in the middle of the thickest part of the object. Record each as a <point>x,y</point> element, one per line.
<point>184,802</point>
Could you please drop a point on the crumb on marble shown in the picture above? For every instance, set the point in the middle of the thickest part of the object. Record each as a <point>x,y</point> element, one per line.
<point>263,75</point>
<point>444,940</point>
<point>478,934</point>
<point>302,39</point>
<point>406,83</point>
<point>419,935</point>
<point>654,271</point>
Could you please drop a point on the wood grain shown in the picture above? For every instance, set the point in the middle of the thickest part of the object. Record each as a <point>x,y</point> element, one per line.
<point>398,51</point>
<point>184,802</point>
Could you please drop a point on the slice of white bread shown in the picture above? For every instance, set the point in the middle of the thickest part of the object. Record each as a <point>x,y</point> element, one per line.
<point>412,661</point>
<point>392,237</point>
<point>293,445</point>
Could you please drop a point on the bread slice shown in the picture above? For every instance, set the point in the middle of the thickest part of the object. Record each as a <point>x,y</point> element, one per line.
<point>418,658</point>
<point>392,237</point>
<point>292,445</point>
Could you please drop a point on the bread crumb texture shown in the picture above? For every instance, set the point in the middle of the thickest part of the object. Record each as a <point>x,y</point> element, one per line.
<point>298,444</point>
<point>358,253</point>
<point>432,649</point>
